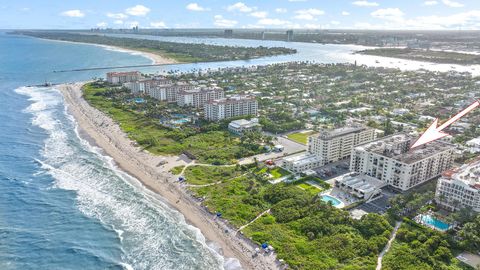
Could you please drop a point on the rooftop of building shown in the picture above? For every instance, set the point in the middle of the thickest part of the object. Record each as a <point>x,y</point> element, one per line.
<point>234,98</point>
<point>201,89</point>
<point>468,174</point>
<point>123,73</point>
<point>397,147</point>
<point>244,123</point>
<point>361,182</point>
<point>302,159</point>
<point>329,134</point>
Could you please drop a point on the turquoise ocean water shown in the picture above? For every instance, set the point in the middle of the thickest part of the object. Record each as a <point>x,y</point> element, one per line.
<point>64,205</point>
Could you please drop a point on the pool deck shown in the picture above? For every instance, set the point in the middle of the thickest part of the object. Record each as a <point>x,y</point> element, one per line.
<point>345,198</point>
<point>420,219</point>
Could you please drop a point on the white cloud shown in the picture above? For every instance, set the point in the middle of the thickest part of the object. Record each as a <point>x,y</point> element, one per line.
<point>137,10</point>
<point>469,20</point>
<point>119,16</point>
<point>274,22</point>
<point>365,4</point>
<point>281,10</point>
<point>240,6</point>
<point>196,7</point>
<point>345,13</point>
<point>335,22</point>
<point>391,14</point>
<point>430,3</point>
<point>308,14</point>
<point>222,22</point>
<point>118,22</point>
<point>259,14</point>
<point>102,24</point>
<point>158,24</point>
<point>75,13</point>
<point>132,24</point>
<point>451,3</point>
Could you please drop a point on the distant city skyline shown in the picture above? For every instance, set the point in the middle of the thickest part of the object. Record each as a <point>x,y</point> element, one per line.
<point>311,14</point>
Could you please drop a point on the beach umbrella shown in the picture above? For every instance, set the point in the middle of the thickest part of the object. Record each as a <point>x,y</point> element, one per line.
<point>219,214</point>
<point>264,245</point>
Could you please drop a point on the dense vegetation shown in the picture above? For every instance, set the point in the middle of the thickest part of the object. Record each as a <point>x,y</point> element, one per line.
<point>209,143</point>
<point>305,231</point>
<point>442,57</point>
<point>417,247</point>
<point>182,52</point>
<point>310,234</point>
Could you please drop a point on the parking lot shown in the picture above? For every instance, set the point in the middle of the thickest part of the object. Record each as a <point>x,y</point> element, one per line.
<point>379,205</point>
<point>333,170</point>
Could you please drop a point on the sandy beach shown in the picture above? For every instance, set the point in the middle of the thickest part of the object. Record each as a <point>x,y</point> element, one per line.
<point>156,59</point>
<point>101,130</point>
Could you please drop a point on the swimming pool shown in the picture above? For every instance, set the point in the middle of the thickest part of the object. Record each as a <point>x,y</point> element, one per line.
<point>434,222</point>
<point>335,202</point>
<point>181,121</point>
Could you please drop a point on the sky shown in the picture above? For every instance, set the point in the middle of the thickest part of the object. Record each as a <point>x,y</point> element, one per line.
<point>314,14</point>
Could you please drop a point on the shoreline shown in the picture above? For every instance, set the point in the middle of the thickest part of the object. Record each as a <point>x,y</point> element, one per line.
<point>155,58</point>
<point>107,135</point>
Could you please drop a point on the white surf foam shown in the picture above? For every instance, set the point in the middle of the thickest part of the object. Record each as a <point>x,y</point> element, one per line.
<point>152,234</point>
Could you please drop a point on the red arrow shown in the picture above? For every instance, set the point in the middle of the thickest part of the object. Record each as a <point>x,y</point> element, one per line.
<point>434,133</point>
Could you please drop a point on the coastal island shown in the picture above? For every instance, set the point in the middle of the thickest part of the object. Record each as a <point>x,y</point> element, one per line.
<point>433,56</point>
<point>179,52</point>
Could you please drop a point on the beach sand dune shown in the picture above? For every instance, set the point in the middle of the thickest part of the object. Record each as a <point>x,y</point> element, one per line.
<point>101,130</point>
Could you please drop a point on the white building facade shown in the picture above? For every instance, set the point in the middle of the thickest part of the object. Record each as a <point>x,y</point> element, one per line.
<point>460,188</point>
<point>123,77</point>
<point>329,146</point>
<point>198,97</point>
<point>391,160</point>
<point>233,106</point>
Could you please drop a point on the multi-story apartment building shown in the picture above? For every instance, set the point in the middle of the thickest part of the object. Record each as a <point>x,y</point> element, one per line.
<point>460,188</point>
<point>145,85</point>
<point>391,160</point>
<point>198,97</point>
<point>159,88</point>
<point>329,146</point>
<point>233,106</point>
<point>337,144</point>
<point>123,77</point>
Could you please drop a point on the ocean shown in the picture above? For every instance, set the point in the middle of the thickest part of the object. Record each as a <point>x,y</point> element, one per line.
<point>63,203</point>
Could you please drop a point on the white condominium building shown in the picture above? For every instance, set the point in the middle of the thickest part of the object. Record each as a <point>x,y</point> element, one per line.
<point>329,146</point>
<point>159,88</point>
<point>460,188</point>
<point>145,85</point>
<point>123,77</point>
<point>198,97</point>
<point>233,106</point>
<point>337,144</point>
<point>391,160</point>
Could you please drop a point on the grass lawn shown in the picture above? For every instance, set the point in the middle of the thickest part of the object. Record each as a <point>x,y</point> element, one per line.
<point>177,170</point>
<point>300,137</point>
<point>201,175</point>
<point>309,188</point>
<point>276,172</point>
<point>239,200</point>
